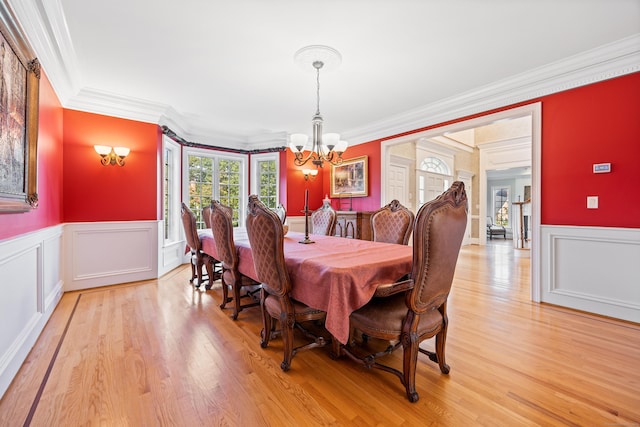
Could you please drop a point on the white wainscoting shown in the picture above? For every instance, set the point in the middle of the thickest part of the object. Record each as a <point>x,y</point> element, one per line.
<point>107,253</point>
<point>170,255</point>
<point>296,223</point>
<point>31,287</point>
<point>594,269</point>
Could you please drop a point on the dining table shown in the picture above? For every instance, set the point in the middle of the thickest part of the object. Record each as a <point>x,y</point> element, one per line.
<point>334,274</point>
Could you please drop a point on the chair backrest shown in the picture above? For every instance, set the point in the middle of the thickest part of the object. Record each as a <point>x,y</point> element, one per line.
<point>323,220</point>
<point>206,216</point>
<point>222,229</point>
<point>266,238</point>
<point>190,228</point>
<point>392,223</point>
<point>437,237</point>
<point>281,212</point>
<point>489,221</point>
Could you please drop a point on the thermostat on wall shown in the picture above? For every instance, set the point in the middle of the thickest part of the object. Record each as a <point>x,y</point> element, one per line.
<point>601,167</point>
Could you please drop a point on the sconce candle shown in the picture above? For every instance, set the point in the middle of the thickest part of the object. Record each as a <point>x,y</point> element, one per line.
<point>111,155</point>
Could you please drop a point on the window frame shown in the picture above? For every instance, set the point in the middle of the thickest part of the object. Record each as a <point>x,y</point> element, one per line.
<point>217,156</point>
<point>255,177</point>
<point>494,190</point>
<point>171,229</point>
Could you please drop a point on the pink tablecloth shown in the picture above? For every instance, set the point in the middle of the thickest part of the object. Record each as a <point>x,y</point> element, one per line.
<point>334,274</point>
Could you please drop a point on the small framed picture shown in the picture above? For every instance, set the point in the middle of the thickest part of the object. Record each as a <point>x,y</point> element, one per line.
<point>350,178</point>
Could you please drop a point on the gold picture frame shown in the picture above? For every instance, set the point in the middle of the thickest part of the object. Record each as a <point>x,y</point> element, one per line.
<point>19,90</point>
<point>350,178</point>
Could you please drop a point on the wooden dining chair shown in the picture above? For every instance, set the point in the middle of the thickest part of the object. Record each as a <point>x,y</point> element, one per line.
<point>392,223</point>
<point>412,310</point>
<point>232,279</point>
<point>206,216</point>
<point>323,220</point>
<point>198,257</point>
<point>266,237</point>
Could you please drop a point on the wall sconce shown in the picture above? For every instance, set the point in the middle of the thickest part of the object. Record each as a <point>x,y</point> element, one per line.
<point>111,155</point>
<point>310,173</point>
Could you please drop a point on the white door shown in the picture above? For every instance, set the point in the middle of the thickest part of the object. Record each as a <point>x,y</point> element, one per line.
<point>430,185</point>
<point>397,181</point>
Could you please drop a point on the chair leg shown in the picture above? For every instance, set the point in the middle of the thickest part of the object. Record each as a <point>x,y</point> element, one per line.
<point>335,352</point>
<point>235,287</point>
<point>410,359</point>
<point>287,324</point>
<point>193,272</point>
<point>225,292</point>
<point>208,263</point>
<point>441,340</point>
<point>265,334</point>
<point>199,263</point>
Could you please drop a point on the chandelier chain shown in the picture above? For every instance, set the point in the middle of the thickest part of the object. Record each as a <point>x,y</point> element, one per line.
<point>318,90</point>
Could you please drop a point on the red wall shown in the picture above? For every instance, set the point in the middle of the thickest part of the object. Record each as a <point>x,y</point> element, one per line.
<point>49,211</point>
<point>599,123</point>
<point>93,192</point>
<point>321,186</point>
<point>591,124</point>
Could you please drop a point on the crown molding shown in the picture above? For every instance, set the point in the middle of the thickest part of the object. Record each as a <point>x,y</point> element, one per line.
<point>602,63</point>
<point>45,27</point>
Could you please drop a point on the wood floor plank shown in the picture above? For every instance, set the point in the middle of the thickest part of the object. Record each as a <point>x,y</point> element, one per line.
<point>161,352</point>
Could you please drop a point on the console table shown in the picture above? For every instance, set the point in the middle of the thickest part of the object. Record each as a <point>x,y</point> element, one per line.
<point>353,225</point>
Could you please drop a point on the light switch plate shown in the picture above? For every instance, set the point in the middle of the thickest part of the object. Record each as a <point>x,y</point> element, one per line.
<point>602,167</point>
<point>592,202</point>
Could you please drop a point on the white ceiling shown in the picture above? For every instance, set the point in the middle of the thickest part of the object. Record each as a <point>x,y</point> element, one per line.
<point>222,72</point>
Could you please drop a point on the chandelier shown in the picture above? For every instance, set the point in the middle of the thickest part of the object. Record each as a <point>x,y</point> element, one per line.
<point>324,147</point>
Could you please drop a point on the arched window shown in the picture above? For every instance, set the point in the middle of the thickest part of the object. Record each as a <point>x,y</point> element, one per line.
<point>435,165</point>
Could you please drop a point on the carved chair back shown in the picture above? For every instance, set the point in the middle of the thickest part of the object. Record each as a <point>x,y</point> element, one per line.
<point>323,220</point>
<point>392,223</point>
<point>190,228</point>
<point>438,233</point>
<point>222,229</point>
<point>206,216</point>
<point>266,237</point>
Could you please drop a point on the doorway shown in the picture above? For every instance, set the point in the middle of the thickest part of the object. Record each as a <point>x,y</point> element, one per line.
<point>482,165</point>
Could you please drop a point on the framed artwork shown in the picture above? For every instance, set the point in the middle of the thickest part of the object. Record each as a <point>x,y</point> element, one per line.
<point>19,86</point>
<point>351,178</point>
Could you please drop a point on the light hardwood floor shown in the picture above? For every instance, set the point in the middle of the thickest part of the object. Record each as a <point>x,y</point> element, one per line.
<point>162,353</point>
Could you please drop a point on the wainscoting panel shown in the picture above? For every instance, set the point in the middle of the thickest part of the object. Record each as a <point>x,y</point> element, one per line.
<point>107,253</point>
<point>296,223</point>
<point>170,255</point>
<point>31,287</point>
<point>595,269</point>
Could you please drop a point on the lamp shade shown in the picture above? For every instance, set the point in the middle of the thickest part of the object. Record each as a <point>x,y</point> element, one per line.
<point>103,150</point>
<point>297,142</point>
<point>121,151</point>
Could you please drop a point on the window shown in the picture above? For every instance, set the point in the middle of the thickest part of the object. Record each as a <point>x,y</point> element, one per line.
<point>171,189</point>
<point>435,165</point>
<point>264,168</point>
<point>215,175</point>
<point>501,205</point>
